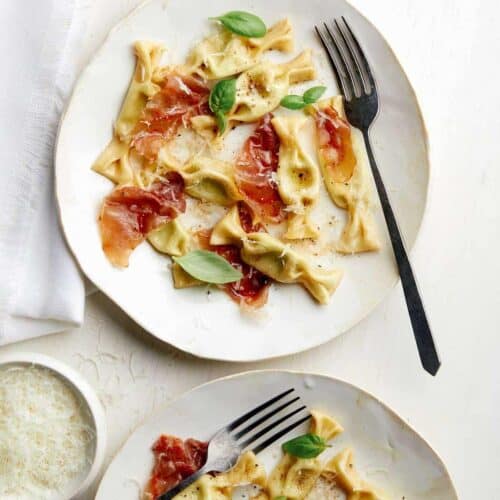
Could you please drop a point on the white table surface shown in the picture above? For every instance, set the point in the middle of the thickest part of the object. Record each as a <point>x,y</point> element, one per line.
<point>449,49</point>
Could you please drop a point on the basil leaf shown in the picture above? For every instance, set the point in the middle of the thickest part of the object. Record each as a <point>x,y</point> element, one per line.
<point>281,497</point>
<point>221,121</point>
<point>306,446</point>
<point>313,94</point>
<point>208,267</point>
<point>293,102</point>
<point>243,23</point>
<point>222,96</point>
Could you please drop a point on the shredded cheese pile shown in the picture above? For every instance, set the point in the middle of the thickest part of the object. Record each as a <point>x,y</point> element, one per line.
<point>45,436</point>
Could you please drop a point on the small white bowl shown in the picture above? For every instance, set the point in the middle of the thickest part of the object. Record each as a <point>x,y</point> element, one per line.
<point>87,395</point>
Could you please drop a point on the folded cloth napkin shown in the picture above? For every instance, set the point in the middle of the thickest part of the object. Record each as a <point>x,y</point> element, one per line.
<point>41,289</point>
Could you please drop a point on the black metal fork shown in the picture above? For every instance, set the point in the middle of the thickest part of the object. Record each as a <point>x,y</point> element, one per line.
<point>357,84</point>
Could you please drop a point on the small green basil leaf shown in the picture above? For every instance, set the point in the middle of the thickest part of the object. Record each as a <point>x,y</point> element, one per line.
<point>208,267</point>
<point>221,121</point>
<point>280,498</point>
<point>222,96</point>
<point>306,446</point>
<point>293,102</point>
<point>313,94</point>
<point>243,24</point>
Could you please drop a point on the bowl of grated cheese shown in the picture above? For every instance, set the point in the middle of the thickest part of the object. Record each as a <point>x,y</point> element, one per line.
<point>52,429</point>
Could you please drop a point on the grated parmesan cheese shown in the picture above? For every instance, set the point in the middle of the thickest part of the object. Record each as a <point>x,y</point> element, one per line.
<point>45,437</point>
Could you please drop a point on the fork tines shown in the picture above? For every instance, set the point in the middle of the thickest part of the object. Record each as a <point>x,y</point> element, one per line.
<point>269,416</point>
<point>349,63</point>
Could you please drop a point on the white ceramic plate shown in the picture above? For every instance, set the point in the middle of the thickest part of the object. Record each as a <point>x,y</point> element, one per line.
<point>212,326</point>
<point>387,451</point>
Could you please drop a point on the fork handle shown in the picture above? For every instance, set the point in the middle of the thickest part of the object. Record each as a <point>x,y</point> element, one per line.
<point>421,329</point>
<point>185,483</point>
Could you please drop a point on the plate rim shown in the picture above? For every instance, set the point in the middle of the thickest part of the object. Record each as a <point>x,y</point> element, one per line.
<point>369,309</point>
<point>330,378</point>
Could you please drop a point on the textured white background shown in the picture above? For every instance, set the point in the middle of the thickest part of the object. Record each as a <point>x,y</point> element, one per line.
<point>449,49</point>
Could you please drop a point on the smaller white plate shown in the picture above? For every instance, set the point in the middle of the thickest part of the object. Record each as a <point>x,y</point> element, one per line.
<point>89,399</point>
<point>388,452</point>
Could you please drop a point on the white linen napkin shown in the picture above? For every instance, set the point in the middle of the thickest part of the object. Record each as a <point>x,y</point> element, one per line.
<point>41,289</point>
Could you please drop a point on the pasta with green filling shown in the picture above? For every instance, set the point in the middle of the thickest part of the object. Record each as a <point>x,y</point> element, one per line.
<point>294,477</point>
<point>340,474</point>
<point>345,176</point>
<point>298,178</point>
<point>141,87</point>
<point>171,239</point>
<point>211,180</point>
<point>225,53</point>
<point>115,161</point>
<point>276,259</point>
<point>260,89</point>
<point>248,470</point>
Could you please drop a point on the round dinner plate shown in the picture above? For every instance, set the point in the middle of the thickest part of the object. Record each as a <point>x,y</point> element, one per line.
<point>210,325</point>
<point>387,452</point>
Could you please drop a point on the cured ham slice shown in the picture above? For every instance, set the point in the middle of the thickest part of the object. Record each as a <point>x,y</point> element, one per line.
<point>256,169</point>
<point>335,144</point>
<point>252,290</point>
<point>179,99</point>
<point>346,178</point>
<point>175,460</point>
<point>129,213</point>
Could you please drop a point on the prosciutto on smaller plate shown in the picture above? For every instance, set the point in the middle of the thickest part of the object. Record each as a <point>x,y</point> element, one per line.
<point>175,460</point>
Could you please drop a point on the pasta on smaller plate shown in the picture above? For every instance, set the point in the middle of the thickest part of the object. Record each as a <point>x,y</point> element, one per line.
<point>292,478</point>
<point>352,447</point>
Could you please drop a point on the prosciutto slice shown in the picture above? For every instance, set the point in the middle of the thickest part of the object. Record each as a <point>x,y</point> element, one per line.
<point>175,460</point>
<point>252,289</point>
<point>129,213</point>
<point>179,99</point>
<point>255,173</point>
<point>335,144</point>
